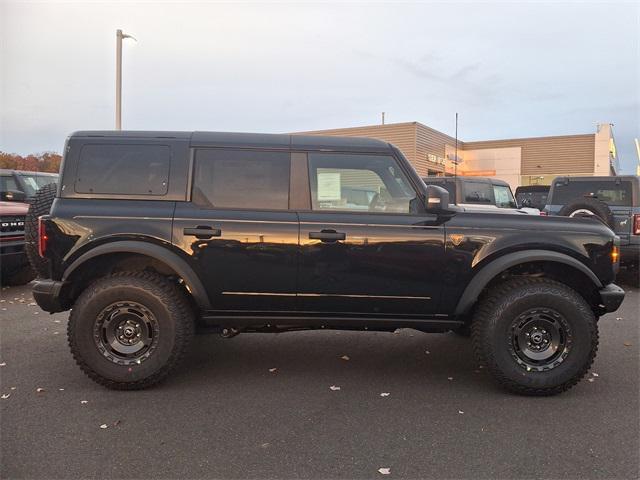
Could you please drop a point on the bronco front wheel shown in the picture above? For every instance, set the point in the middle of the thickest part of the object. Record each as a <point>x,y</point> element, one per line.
<point>129,330</point>
<point>535,335</point>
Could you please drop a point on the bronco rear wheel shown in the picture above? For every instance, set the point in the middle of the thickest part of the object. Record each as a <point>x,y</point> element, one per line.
<point>535,335</point>
<point>129,330</point>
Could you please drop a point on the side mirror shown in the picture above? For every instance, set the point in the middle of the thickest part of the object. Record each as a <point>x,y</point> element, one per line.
<point>437,199</point>
<point>13,196</point>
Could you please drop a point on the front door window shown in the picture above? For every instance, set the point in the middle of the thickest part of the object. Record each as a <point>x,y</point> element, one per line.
<point>360,183</point>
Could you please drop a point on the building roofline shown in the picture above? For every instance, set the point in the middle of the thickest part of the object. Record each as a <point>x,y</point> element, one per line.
<point>546,137</point>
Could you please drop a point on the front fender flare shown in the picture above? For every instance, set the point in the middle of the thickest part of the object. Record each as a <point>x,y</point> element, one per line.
<point>152,250</point>
<point>488,272</point>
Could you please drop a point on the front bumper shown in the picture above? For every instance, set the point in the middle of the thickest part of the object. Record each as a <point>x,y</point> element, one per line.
<point>47,294</point>
<point>611,297</point>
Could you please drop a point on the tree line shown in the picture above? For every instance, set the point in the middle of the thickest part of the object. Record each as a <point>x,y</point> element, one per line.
<point>34,162</point>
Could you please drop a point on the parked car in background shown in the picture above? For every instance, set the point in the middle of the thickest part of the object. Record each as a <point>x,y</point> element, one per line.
<point>533,196</point>
<point>480,193</point>
<point>14,265</point>
<point>153,233</point>
<point>614,200</point>
<point>23,181</point>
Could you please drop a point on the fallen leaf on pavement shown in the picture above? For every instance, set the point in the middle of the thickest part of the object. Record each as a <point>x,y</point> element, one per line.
<point>449,378</point>
<point>84,401</point>
<point>384,471</point>
<point>460,412</point>
<point>104,425</point>
<point>5,395</point>
<point>385,394</point>
<point>61,389</point>
<point>344,357</point>
<point>40,390</point>
<point>427,352</point>
<point>618,318</point>
<point>265,445</point>
<point>273,370</point>
<point>3,364</point>
<point>627,344</point>
<point>334,388</point>
<point>595,374</point>
<point>591,380</point>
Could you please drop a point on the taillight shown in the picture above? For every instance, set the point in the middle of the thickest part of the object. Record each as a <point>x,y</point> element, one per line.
<point>636,224</point>
<point>42,237</point>
<point>615,254</point>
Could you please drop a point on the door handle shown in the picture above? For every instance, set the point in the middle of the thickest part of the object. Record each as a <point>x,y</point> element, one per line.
<point>329,236</point>
<point>203,232</point>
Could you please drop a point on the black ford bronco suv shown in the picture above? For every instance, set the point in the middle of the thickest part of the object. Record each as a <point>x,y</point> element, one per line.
<point>152,234</point>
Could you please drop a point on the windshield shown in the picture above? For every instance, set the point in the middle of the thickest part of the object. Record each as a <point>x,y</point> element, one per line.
<point>34,182</point>
<point>504,197</point>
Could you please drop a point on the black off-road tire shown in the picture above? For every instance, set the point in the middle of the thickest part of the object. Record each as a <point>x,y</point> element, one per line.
<point>19,277</point>
<point>491,333</point>
<point>590,206</point>
<point>40,205</point>
<point>164,300</point>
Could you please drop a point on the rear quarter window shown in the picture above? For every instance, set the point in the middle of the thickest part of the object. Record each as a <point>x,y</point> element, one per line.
<point>611,193</point>
<point>123,169</point>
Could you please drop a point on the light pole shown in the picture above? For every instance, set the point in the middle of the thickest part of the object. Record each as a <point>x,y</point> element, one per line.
<point>119,37</point>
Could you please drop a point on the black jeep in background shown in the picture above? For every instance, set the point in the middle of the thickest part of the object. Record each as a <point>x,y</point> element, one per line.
<point>614,200</point>
<point>153,233</point>
<point>534,196</point>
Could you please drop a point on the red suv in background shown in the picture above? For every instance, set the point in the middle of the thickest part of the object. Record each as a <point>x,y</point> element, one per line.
<point>14,265</point>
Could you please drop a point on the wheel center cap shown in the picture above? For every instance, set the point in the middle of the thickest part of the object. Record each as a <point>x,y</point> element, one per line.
<point>536,337</point>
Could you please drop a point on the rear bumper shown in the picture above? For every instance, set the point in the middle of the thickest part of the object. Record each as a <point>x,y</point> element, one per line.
<point>47,294</point>
<point>611,297</point>
<point>630,253</point>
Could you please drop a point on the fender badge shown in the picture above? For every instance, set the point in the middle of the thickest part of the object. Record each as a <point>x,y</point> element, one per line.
<point>456,238</point>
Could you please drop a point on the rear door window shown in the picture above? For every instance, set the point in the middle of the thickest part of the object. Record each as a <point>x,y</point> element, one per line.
<point>478,192</point>
<point>611,193</point>
<point>123,169</point>
<point>241,179</point>
<point>8,183</point>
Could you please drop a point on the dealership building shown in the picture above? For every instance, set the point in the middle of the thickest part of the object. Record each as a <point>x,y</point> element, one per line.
<point>519,161</point>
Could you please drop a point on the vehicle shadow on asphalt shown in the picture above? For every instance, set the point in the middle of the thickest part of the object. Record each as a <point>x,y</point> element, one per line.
<point>310,357</point>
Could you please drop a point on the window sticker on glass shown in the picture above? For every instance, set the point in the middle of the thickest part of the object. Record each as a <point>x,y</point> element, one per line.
<point>328,186</point>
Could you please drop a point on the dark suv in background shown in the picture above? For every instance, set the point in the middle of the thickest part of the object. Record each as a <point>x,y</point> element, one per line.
<point>614,200</point>
<point>153,233</point>
<point>24,181</point>
<point>534,196</point>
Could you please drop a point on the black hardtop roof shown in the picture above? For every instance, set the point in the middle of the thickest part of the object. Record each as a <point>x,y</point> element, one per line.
<point>533,188</point>
<point>250,140</point>
<point>433,179</point>
<point>26,172</point>
<point>611,178</point>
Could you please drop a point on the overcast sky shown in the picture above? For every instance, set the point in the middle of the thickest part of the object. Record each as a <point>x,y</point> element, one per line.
<point>511,69</point>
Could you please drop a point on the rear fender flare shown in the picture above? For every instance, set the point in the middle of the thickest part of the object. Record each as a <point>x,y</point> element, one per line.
<point>495,267</point>
<point>152,250</point>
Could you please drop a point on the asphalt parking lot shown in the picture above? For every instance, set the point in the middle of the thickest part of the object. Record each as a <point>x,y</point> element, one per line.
<point>225,414</point>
